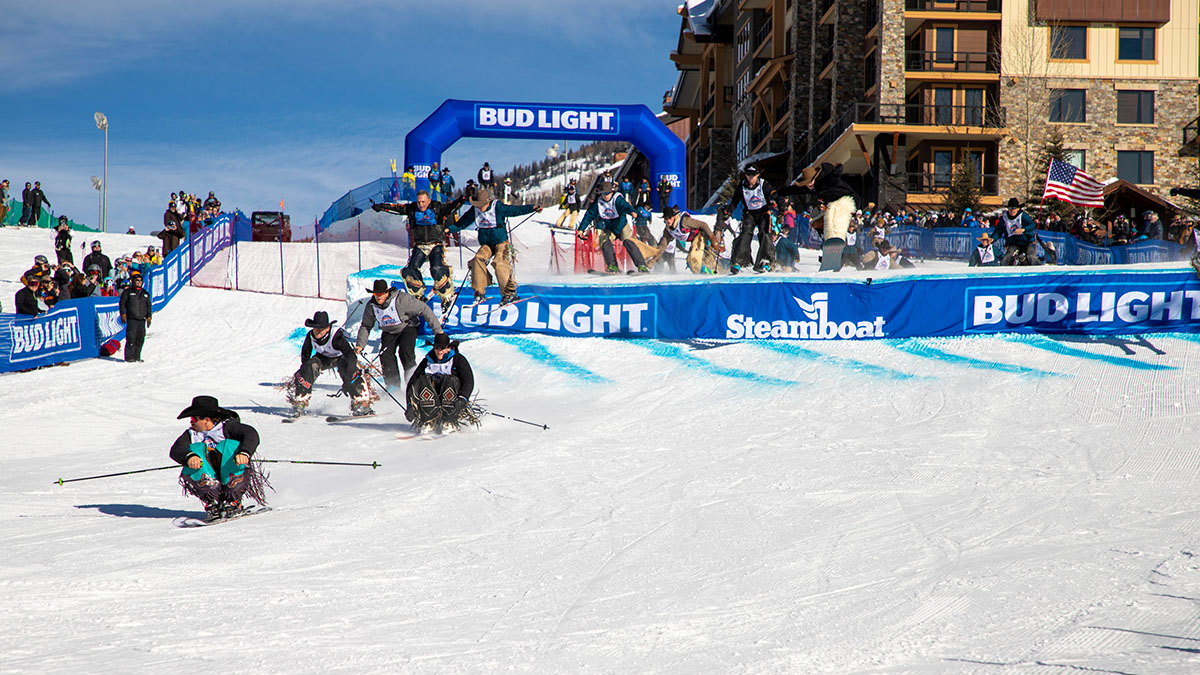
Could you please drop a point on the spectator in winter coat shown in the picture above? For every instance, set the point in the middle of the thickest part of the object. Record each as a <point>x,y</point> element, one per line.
<point>435,183</point>
<point>36,199</point>
<point>447,183</point>
<point>152,256</point>
<point>1153,226</point>
<point>3,200</point>
<point>172,232</point>
<point>25,202</point>
<point>408,184</point>
<point>63,277</point>
<point>98,258</point>
<point>27,298</point>
<point>136,314</point>
<point>212,203</point>
<point>664,192</point>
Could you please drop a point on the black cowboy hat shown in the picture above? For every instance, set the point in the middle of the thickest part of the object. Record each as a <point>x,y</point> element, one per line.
<point>669,212</point>
<point>319,320</point>
<point>206,406</point>
<point>752,169</point>
<point>1014,203</point>
<point>380,286</point>
<point>441,341</point>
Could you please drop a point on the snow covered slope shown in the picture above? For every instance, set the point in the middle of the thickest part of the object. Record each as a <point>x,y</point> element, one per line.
<point>923,506</point>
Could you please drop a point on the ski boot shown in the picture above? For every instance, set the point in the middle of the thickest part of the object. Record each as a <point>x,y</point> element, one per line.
<point>212,511</point>
<point>734,269</point>
<point>230,508</point>
<point>509,298</point>
<point>480,297</point>
<point>643,269</point>
<point>298,401</point>
<point>361,410</point>
<point>612,269</point>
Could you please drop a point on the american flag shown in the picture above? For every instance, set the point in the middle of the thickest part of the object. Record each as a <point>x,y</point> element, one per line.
<point>1070,184</point>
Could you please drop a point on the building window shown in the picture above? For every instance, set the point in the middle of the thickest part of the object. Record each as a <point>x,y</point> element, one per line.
<point>1068,43</point>
<point>1135,107</point>
<point>943,168</point>
<point>1076,158</point>
<point>943,106</point>
<point>1135,44</point>
<point>1136,166</point>
<point>973,107</point>
<point>943,40</point>
<point>743,141</point>
<point>1068,105</point>
<point>743,42</point>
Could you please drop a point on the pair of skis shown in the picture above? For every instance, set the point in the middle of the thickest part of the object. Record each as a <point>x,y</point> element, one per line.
<point>188,522</point>
<point>603,273</point>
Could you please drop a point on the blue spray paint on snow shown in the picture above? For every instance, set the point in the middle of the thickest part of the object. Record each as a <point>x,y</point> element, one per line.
<point>1055,347</point>
<point>918,347</point>
<point>863,367</point>
<point>538,352</point>
<point>678,353</point>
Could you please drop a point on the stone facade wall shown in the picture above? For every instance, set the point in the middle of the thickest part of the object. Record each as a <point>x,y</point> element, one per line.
<point>849,50</point>
<point>891,52</point>
<point>1175,105</point>
<point>803,38</point>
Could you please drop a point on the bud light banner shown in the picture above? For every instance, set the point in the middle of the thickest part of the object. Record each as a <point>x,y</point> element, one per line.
<point>60,335</point>
<point>762,308</point>
<point>454,119</point>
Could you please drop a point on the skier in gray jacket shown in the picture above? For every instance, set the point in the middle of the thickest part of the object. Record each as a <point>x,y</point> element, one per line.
<point>399,317</point>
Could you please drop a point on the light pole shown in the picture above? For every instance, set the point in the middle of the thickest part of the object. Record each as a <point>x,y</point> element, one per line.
<point>102,125</point>
<point>97,183</point>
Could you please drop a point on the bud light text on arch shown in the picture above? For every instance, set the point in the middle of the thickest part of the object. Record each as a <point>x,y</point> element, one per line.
<point>586,121</point>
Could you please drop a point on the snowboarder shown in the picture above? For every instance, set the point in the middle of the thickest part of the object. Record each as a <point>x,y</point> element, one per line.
<point>489,217</point>
<point>427,219</point>
<point>137,315</point>
<point>399,317</point>
<point>754,194</point>
<point>439,392</point>
<point>325,348</point>
<point>215,453</point>
<point>609,211</point>
<point>570,205</point>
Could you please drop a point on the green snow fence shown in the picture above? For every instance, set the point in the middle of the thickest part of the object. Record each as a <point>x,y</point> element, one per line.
<point>47,219</point>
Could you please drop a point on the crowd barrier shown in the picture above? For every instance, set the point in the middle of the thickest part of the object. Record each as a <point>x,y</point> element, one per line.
<point>75,329</point>
<point>957,243</point>
<point>1091,302</point>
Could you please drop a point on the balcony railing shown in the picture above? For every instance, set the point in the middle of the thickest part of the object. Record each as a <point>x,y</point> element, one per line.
<point>781,111</point>
<point>921,114</point>
<point>926,183</point>
<point>823,6</point>
<point>951,62</point>
<point>763,34</point>
<point>872,14</point>
<point>1191,132</point>
<point>953,5</point>
<point>709,104</point>
<point>826,59</point>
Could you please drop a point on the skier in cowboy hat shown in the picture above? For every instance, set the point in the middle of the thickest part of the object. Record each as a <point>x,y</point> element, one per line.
<point>326,347</point>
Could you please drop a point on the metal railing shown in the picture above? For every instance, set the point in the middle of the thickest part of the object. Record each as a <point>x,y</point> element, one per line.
<point>1192,131</point>
<point>928,182</point>
<point>781,111</point>
<point>953,5</point>
<point>823,7</point>
<point>762,34</point>
<point>922,61</point>
<point>826,59</point>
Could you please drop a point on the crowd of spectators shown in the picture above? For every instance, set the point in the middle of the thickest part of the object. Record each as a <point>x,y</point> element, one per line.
<point>32,199</point>
<point>185,214</point>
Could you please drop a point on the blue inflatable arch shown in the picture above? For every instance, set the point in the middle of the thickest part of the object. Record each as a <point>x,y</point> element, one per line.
<point>635,124</point>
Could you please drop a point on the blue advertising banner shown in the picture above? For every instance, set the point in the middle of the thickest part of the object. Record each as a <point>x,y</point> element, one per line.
<point>1096,303</point>
<point>75,329</point>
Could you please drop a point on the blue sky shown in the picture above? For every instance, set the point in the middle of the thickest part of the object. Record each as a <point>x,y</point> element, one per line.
<point>267,99</point>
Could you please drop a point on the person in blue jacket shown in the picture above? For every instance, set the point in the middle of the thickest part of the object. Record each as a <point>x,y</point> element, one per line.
<point>1019,233</point>
<point>609,211</point>
<point>215,452</point>
<point>447,183</point>
<point>490,218</point>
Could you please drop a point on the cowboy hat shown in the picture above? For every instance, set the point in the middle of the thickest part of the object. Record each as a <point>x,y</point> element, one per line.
<point>482,199</point>
<point>206,406</point>
<point>985,235</point>
<point>1014,203</point>
<point>441,341</point>
<point>380,286</point>
<point>669,212</point>
<point>808,175</point>
<point>319,320</point>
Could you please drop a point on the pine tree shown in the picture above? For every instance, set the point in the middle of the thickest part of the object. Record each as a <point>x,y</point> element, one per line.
<point>963,192</point>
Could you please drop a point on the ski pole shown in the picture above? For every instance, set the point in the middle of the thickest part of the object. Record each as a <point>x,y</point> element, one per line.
<point>373,465</point>
<point>532,424</point>
<point>384,388</point>
<point>60,481</point>
<point>510,230</point>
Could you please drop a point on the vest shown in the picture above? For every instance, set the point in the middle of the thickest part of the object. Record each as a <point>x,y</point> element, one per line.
<point>427,217</point>
<point>851,238</point>
<point>326,349</point>
<point>571,198</point>
<point>607,210</point>
<point>679,232</point>
<point>435,368</point>
<point>486,219</point>
<point>1011,225</point>
<point>754,196</point>
<point>486,175</point>
<point>987,254</point>
<point>387,315</point>
<point>884,262</point>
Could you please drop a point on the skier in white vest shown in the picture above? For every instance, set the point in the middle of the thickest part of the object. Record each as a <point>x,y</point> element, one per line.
<point>399,317</point>
<point>755,195</point>
<point>326,348</point>
<point>984,255</point>
<point>439,392</point>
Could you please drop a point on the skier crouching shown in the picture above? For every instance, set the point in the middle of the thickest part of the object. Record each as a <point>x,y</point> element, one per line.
<point>215,453</point>
<point>440,389</point>
<point>326,347</point>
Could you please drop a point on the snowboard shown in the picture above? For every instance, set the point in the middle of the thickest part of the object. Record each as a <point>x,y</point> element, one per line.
<point>188,522</point>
